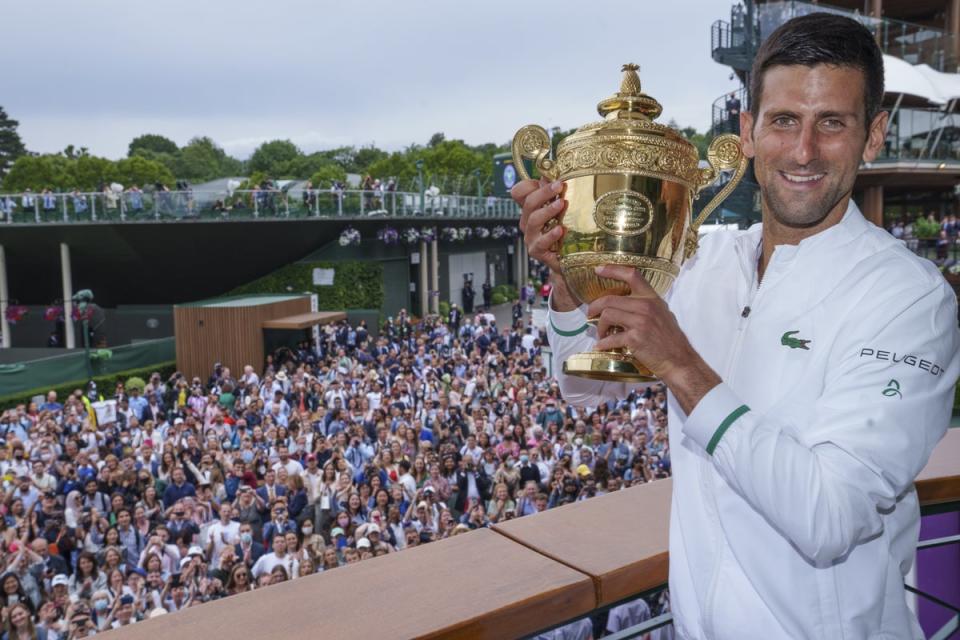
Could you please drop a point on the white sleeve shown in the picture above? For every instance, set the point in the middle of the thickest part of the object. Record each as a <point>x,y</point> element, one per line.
<point>871,432</point>
<point>569,333</point>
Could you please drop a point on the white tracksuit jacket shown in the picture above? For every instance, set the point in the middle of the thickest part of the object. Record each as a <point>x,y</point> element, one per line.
<point>793,512</point>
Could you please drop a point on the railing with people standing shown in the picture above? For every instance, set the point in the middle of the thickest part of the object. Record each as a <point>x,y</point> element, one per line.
<point>134,205</point>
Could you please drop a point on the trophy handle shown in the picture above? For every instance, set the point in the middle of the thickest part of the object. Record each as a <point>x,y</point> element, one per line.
<point>533,143</point>
<point>724,153</point>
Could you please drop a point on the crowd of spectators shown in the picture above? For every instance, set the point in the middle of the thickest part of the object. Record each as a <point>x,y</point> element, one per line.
<point>940,233</point>
<point>327,455</point>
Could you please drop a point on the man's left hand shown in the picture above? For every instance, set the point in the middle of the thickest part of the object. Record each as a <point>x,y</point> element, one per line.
<point>651,334</point>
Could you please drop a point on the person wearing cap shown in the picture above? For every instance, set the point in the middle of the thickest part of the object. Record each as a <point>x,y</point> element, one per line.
<point>123,613</point>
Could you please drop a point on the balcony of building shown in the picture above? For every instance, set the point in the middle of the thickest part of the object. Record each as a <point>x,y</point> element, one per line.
<point>533,577</point>
<point>131,207</point>
<point>734,42</point>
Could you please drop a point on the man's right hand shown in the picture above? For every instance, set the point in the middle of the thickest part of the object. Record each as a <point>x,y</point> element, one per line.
<point>536,199</point>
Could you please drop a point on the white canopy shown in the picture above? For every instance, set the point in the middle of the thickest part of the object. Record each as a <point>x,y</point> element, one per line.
<point>946,84</point>
<point>903,77</point>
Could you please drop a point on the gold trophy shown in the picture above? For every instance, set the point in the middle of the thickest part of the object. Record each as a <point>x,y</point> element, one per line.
<point>630,186</point>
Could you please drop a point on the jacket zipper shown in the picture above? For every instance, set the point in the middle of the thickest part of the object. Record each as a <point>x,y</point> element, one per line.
<point>728,377</point>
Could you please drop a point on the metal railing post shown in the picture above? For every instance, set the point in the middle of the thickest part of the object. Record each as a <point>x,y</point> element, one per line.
<point>256,205</point>
<point>339,203</point>
<point>363,196</point>
<point>64,208</point>
<point>93,207</point>
<point>316,204</point>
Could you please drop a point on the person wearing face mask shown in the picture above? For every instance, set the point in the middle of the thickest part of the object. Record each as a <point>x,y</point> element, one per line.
<point>247,550</point>
<point>101,604</point>
<point>248,507</point>
<point>529,472</point>
<point>313,543</point>
<point>508,474</point>
<point>346,529</point>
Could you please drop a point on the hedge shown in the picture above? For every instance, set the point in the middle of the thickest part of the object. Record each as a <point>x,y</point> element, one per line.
<point>356,285</point>
<point>105,384</point>
<point>507,291</point>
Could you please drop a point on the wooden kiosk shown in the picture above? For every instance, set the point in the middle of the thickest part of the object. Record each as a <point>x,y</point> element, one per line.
<point>232,330</point>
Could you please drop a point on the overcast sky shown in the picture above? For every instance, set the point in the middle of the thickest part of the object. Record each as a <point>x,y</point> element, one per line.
<point>97,73</point>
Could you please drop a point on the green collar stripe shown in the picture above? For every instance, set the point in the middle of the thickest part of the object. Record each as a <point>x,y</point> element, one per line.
<point>729,420</point>
<point>568,334</point>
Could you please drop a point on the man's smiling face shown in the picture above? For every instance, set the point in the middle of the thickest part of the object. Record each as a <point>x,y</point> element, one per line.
<point>808,140</point>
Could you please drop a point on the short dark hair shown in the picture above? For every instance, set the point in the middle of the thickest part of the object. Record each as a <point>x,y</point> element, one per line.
<point>822,38</point>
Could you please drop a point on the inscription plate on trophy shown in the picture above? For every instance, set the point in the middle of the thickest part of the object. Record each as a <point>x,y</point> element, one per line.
<point>623,213</point>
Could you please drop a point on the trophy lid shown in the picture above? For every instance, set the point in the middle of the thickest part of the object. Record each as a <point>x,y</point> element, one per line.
<point>630,101</point>
<point>628,140</point>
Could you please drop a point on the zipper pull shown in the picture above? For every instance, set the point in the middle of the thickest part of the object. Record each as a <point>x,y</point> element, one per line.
<point>746,312</point>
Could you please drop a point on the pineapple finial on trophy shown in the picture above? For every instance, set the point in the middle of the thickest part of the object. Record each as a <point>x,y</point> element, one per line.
<point>630,85</point>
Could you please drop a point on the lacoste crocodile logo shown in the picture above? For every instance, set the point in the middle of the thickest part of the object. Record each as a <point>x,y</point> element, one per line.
<point>788,340</point>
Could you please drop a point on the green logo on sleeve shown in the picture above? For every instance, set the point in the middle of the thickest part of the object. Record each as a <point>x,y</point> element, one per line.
<point>893,389</point>
<point>788,340</point>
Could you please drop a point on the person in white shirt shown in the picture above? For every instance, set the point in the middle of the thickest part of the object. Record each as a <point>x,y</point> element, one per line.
<point>276,558</point>
<point>472,448</point>
<point>375,396</point>
<point>406,481</point>
<point>249,377</point>
<point>293,467</point>
<point>810,362</point>
<point>223,533</point>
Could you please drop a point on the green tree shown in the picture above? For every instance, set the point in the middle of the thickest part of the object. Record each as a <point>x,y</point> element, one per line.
<point>140,171</point>
<point>88,172</point>
<point>343,156</point>
<point>700,140</point>
<point>72,153</point>
<point>152,142</point>
<point>436,139</point>
<point>39,172</point>
<point>365,157</point>
<point>276,158</point>
<point>200,160</point>
<point>11,146</point>
<point>326,174</point>
<point>169,160</point>
<point>399,164</point>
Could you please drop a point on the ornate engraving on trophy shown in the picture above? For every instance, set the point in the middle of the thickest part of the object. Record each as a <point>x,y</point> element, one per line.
<point>623,213</point>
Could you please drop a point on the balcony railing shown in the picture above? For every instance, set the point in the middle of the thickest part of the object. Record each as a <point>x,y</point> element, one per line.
<point>130,206</point>
<point>922,134</point>
<point>914,43</point>
<point>514,580</point>
<point>723,118</point>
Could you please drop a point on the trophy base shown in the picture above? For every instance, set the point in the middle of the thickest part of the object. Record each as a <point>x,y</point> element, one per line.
<point>609,366</point>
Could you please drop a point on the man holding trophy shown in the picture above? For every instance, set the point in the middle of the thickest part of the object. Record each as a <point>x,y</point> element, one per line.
<point>811,360</point>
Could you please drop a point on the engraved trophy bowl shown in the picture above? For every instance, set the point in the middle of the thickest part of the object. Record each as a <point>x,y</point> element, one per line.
<point>630,185</point>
